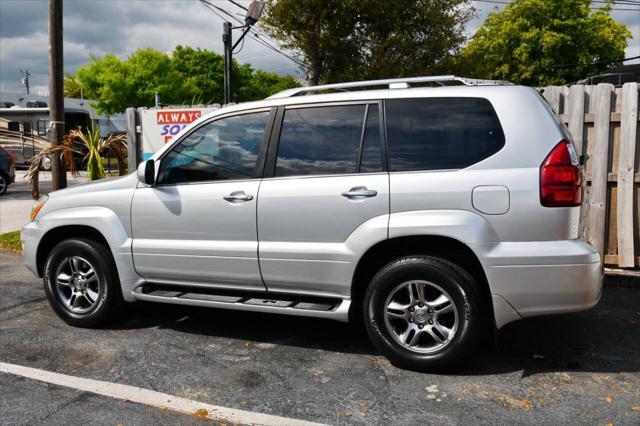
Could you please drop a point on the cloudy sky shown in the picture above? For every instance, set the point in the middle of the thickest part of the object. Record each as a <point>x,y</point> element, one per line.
<point>98,27</point>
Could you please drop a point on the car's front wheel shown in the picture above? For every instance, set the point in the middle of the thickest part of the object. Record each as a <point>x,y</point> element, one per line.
<point>4,183</point>
<point>423,313</point>
<point>46,164</point>
<point>81,283</point>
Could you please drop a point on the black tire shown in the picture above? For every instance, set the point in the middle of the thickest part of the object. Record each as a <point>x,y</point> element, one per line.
<point>108,302</point>
<point>447,276</point>
<point>4,183</point>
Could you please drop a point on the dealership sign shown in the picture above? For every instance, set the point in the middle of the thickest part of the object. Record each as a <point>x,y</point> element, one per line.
<point>160,126</point>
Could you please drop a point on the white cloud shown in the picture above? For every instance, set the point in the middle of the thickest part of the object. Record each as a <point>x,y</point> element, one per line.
<point>97,27</point>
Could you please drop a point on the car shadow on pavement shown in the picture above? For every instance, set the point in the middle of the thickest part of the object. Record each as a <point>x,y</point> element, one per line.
<point>604,339</point>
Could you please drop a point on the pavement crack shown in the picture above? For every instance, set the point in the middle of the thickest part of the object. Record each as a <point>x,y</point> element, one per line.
<point>60,407</point>
<point>4,318</point>
<point>28,302</point>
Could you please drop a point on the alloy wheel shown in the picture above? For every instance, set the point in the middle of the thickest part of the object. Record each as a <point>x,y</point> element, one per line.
<point>421,316</point>
<point>77,284</point>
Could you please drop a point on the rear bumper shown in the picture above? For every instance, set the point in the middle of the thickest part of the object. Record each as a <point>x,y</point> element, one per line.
<point>539,278</point>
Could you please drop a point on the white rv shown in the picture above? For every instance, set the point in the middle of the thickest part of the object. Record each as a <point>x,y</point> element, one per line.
<point>25,131</point>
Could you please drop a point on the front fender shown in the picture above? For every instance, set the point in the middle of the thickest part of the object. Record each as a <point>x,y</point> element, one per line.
<point>103,220</point>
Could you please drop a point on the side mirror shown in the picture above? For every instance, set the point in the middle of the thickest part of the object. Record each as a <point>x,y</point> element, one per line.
<point>147,172</point>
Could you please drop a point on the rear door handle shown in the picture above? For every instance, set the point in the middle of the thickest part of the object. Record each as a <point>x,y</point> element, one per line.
<point>238,196</point>
<point>360,192</point>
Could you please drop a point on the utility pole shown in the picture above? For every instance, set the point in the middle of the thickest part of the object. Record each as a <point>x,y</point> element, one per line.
<point>251,17</point>
<point>226,39</point>
<point>25,79</point>
<point>56,93</point>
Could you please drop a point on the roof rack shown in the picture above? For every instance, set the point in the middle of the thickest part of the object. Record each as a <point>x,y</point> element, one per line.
<point>391,83</point>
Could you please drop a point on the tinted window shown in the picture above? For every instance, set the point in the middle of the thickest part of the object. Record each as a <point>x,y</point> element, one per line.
<point>320,140</point>
<point>371,160</point>
<point>224,149</point>
<point>441,133</point>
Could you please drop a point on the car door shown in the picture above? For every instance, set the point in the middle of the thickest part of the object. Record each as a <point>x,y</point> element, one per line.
<point>197,225</point>
<point>325,195</point>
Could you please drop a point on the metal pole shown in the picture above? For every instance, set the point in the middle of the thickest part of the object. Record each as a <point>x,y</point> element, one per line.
<point>25,78</point>
<point>226,38</point>
<point>56,95</point>
<point>134,140</point>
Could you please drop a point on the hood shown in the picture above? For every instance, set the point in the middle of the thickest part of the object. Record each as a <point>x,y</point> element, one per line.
<point>108,184</point>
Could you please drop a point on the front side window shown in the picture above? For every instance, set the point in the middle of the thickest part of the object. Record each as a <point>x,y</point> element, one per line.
<point>441,133</point>
<point>326,140</point>
<point>224,149</point>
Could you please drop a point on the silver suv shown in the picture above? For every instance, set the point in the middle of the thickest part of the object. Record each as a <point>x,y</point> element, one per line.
<point>432,214</point>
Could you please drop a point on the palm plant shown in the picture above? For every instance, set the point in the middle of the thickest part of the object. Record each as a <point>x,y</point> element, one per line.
<point>33,173</point>
<point>94,146</point>
<point>91,141</point>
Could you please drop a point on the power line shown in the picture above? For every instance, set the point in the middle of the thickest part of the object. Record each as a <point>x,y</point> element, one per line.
<point>229,14</point>
<point>241,47</point>
<point>208,6</point>
<point>238,4</point>
<point>254,36</point>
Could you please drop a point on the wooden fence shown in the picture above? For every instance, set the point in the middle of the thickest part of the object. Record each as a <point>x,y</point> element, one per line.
<point>603,121</point>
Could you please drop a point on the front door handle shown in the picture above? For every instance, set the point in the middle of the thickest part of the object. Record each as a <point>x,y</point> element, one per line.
<point>360,192</point>
<point>238,196</point>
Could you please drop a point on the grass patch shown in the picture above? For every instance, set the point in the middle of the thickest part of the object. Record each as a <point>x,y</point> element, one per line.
<point>11,241</point>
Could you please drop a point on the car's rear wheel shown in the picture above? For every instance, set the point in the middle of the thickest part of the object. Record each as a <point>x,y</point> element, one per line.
<point>423,313</point>
<point>81,283</point>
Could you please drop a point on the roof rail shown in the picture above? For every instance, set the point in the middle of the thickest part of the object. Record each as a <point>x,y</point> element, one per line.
<point>391,83</point>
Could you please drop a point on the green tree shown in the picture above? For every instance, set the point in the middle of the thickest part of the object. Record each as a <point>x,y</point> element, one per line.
<point>115,84</point>
<point>263,84</point>
<point>544,42</point>
<point>188,76</point>
<point>72,86</point>
<point>358,39</point>
<point>204,70</point>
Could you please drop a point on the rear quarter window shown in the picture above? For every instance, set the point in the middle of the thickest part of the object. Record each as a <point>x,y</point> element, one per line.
<point>441,133</point>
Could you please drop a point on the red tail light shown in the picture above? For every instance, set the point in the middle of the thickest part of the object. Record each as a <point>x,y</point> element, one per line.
<point>12,158</point>
<point>561,178</point>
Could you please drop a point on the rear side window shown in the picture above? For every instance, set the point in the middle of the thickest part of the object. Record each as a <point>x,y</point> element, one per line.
<point>441,133</point>
<point>329,140</point>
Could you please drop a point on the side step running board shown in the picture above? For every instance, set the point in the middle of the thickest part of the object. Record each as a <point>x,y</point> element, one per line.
<point>319,307</point>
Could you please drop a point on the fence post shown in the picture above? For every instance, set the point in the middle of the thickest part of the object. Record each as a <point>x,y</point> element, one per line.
<point>599,164</point>
<point>552,95</point>
<point>626,158</point>
<point>576,116</point>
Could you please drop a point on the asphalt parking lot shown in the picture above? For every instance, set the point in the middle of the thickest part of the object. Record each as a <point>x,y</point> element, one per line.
<point>16,203</point>
<point>581,368</point>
